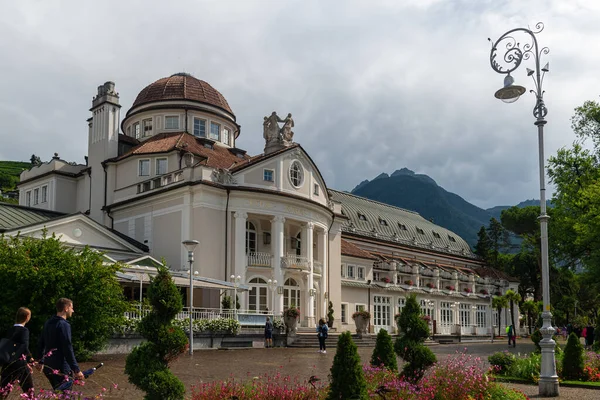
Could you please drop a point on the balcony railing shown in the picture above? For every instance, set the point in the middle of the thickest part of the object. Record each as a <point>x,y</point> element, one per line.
<point>480,280</point>
<point>427,272</point>
<point>463,277</point>
<point>160,181</point>
<point>295,262</point>
<point>386,266</point>
<point>445,275</point>
<point>256,259</point>
<point>405,268</point>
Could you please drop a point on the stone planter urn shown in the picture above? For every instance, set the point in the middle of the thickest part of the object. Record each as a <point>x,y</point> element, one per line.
<point>291,325</point>
<point>361,321</point>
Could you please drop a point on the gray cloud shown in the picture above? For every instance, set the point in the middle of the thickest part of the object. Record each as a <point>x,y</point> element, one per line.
<point>373,86</point>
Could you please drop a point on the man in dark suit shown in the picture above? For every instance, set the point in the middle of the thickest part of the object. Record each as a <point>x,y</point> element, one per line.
<point>19,369</point>
<point>56,347</point>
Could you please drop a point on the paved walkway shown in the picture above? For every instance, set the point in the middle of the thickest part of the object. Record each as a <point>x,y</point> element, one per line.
<point>243,364</point>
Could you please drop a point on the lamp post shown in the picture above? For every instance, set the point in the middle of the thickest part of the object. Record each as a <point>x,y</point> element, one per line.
<point>236,284</point>
<point>190,245</point>
<point>510,61</point>
<point>369,303</point>
<point>272,284</point>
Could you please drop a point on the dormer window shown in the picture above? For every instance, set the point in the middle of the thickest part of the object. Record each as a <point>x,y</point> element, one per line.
<point>362,217</point>
<point>144,168</point>
<point>401,226</point>
<point>136,130</point>
<point>383,222</point>
<point>161,166</point>
<point>436,235</point>
<point>450,238</point>
<point>214,131</point>
<point>172,122</point>
<point>420,231</point>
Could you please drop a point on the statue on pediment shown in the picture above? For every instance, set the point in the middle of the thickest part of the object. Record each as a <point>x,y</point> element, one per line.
<point>271,127</point>
<point>277,137</point>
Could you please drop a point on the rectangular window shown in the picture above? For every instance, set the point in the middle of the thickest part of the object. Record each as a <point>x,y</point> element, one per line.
<point>44,194</point>
<point>199,127</point>
<point>136,130</point>
<point>161,166</point>
<point>465,314</point>
<point>147,124</point>
<point>36,196</point>
<point>376,276</point>
<point>316,191</point>
<point>350,271</point>
<point>360,273</point>
<point>360,307</point>
<point>28,198</point>
<point>144,168</point>
<point>268,175</point>
<point>214,131</point>
<point>344,313</point>
<point>481,316</point>
<point>172,122</point>
<point>343,269</point>
<point>226,134</point>
<point>401,304</point>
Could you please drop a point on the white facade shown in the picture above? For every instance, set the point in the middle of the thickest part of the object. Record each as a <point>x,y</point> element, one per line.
<point>169,177</point>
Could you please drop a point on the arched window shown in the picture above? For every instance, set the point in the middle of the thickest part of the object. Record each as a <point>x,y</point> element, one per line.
<point>296,174</point>
<point>257,298</point>
<point>291,294</point>
<point>250,238</point>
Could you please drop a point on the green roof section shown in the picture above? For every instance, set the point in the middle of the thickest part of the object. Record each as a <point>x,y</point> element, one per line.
<point>372,219</point>
<point>13,216</point>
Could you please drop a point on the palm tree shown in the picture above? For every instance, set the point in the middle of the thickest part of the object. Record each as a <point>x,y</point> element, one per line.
<point>499,302</point>
<point>512,297</point>
<point>529,307</point>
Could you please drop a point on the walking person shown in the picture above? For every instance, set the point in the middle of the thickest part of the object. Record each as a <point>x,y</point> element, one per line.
<point>322,333</point>
<point>56,347</point>
<point>269,333</point>
<point>19,369</point>
<point>509,333</point>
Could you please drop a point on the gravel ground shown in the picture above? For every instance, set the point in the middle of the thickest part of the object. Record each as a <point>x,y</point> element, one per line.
<point>243,364</point>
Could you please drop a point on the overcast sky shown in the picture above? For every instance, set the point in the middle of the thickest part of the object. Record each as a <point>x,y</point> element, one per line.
<point>373,86</point>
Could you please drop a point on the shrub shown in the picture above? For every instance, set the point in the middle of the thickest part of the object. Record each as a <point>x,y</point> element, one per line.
<point>414,330</point>
<point>573,358</point>
<point>148,364</point>
<point>347,378</point>
<point>330,318</point>
<point>526,367</point>
<point>35,273</point>
<point>383,354</point>
<point>292,312</point>
<point>361,313</point>
<point>503,360</point>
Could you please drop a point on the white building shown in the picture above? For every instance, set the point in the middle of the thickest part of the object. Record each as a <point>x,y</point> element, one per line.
<point>170,171</point>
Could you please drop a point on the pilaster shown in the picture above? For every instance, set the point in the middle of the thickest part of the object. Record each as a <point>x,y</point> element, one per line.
<point>277,244</point>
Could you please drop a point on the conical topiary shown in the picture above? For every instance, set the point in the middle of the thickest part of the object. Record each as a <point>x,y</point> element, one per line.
<point>413,330</point>
<point>383,354</point>
<point>148,364</point>
<point>573,358</point>
<point>347,378</point>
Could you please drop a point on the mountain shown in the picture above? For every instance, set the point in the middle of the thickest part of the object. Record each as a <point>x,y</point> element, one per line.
<point>10,172</point>
<point>496,211</point>
<point>417,192</point>
<point>422,194</point>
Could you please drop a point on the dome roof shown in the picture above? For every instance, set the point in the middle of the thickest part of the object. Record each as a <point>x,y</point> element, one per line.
<point>181,86</point>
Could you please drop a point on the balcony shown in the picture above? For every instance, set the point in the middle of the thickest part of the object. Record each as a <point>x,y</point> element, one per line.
<point>385,266</point>
<point>159,182</point>
<point>256,259</point>
<point>463,277</point>
<point>404,268</point>
<point>292,261</point>
<point>445,275</point>
<point>427,272</point>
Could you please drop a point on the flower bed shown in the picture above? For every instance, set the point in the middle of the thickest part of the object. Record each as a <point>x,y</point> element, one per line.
<point>458,377</point>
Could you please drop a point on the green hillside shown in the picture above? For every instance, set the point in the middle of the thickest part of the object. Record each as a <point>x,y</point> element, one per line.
<point>9,173</point>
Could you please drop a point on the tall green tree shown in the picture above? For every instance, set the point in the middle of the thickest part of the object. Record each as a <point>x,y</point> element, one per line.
<point>347,377</point>
<point>529,308</point>
<point>35,273</point>
<point>484,245</point>
<point>512,298</point>
<point>498,237</point>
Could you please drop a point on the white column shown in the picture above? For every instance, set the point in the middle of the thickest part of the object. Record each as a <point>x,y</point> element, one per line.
<point>308,238</point>
<point>324,273</point>
<point>240,252</point>
<point>277,244</point>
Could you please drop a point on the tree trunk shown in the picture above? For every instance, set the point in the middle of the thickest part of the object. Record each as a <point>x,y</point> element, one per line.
<point>512,317</point>
<point>499,314</point>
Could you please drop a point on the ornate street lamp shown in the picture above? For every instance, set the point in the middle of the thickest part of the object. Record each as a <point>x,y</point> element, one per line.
<point>510,61</point>
<point>190,245</point>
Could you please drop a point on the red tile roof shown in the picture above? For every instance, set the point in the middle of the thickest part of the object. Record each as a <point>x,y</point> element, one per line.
<point>216,157</point>
<point>349,249</point>
<point>181,87</point>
